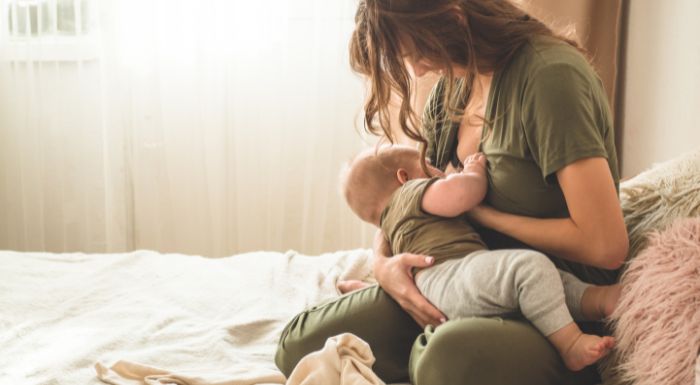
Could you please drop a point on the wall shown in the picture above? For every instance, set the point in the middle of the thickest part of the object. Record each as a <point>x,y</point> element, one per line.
<point>662,90</point>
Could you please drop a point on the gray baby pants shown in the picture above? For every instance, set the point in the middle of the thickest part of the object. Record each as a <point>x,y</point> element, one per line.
<point>500,282</point>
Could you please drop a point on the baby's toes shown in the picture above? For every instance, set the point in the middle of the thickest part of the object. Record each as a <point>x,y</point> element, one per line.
<point>602,346</point>
<point>609,342</point>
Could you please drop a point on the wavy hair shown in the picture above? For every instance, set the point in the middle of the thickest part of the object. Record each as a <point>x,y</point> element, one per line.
<point>478,35</point>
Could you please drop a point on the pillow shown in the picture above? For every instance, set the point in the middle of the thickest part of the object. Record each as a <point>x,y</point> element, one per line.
<point>651,202</point>
<point>657,320</point>
<point>654,199</point>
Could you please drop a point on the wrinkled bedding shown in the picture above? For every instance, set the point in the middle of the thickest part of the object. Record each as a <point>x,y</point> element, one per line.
<point>151,318</point>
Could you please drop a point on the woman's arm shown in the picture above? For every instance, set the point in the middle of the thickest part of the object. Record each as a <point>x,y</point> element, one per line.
<point>594,234</point>
<point>396,278</point>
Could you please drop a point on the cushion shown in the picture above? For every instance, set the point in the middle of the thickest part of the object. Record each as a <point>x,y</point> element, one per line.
<point>654,199</point>
<point>656,334</point>
<point>657,321</point>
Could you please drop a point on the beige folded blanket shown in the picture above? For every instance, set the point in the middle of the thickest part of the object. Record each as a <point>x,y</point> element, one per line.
<point>344,360</point>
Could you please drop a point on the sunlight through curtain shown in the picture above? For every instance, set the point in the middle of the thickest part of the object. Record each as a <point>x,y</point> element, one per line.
<point>206,127</point>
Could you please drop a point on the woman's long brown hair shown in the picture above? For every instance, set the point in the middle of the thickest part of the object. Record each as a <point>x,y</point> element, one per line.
<point>479,35</point>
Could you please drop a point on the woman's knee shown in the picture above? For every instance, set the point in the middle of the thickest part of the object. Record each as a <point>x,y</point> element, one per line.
<point>294,344</point>
<point>368,313</point>
<point>308,330</point>
<point>487,351</point>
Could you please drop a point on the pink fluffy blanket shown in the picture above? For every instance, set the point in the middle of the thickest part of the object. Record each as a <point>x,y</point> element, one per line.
<point>657,322</point>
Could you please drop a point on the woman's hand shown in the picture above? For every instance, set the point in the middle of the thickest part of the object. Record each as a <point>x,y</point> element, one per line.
<point>395,277</point>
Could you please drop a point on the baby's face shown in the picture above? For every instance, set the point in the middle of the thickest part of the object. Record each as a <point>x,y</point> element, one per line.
<point>434,171</point>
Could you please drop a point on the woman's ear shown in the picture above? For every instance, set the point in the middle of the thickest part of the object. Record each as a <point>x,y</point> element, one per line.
<point>402,176</point>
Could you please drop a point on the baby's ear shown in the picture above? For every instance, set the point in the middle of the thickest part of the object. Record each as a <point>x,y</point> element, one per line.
<point>402,176</point>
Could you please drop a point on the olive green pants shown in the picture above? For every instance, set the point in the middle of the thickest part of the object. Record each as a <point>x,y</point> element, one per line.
<point>478,351</point>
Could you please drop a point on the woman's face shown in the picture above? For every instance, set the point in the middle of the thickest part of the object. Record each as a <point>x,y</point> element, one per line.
<point>421,66</point>
<point>417,65</point>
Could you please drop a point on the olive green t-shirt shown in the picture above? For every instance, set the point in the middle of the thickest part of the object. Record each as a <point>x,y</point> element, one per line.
<point>546,109</point>
<point>410,229</point>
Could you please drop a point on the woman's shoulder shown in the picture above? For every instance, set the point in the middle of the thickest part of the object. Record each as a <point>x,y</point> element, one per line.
<point>542,54</point>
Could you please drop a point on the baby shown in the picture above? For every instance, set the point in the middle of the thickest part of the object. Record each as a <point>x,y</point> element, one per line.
<point>422,214</point>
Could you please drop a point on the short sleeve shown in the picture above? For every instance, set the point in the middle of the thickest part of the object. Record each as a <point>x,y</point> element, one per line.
<point>561,118</point>
<point>404,203</point>
<point>410,195</point>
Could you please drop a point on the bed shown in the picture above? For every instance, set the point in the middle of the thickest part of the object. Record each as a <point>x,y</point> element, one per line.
<point>151,318</point>
<point>146,317</point>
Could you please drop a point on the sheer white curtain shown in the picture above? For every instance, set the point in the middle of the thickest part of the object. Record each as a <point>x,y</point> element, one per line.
<point>208,127</point>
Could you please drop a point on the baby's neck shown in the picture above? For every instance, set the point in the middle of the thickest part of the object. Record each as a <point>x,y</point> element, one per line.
<point>377,214</point>
<point>381,205</point>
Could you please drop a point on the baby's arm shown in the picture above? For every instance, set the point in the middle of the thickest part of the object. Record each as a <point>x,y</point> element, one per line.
<point>458,192</point>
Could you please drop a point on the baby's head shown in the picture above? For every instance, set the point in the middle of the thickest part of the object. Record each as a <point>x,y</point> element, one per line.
<point>373,175</point>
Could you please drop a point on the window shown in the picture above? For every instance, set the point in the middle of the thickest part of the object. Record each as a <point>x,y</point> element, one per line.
<point>47,30</point>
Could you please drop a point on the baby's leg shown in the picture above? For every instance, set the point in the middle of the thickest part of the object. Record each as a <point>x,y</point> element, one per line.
<point>492,283</point>
<point>498,282</point>
<point>599,302</point>
<point>577,349</point>
<point>346,286</point>
<point>588,302</point>
<point>573,292</point>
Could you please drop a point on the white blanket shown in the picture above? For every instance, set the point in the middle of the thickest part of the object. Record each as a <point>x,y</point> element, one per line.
<point>145,317</point>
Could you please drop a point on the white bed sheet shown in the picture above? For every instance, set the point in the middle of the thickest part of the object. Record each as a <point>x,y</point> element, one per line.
<point>189,318</point>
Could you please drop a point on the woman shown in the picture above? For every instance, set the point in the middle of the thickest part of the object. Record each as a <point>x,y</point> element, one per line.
<point>531,102</point>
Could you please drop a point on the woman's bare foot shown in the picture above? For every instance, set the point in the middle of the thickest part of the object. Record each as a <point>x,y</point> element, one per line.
<point>577,349</point>
<point>599,302</point>
<point>351,285</point>
<point>586,350</point>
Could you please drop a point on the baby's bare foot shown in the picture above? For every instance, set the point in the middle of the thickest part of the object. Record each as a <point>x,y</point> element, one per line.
<point>586,350</point>
<point>351,285</point>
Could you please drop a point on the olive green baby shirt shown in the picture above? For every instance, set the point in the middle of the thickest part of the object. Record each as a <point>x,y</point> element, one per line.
<point>409,229</point>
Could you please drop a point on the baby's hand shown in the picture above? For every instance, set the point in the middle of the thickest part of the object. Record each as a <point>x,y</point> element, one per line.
<point>475,163</point>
